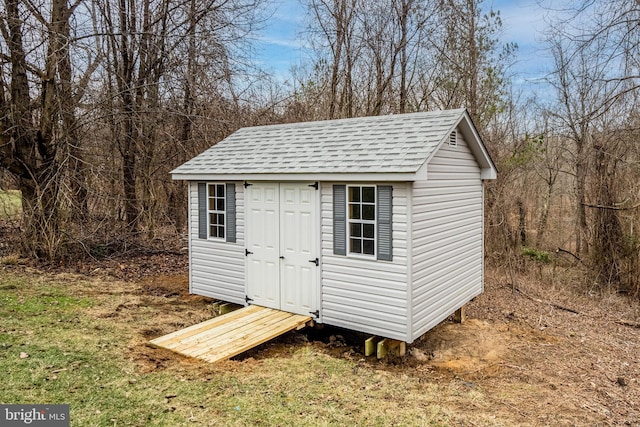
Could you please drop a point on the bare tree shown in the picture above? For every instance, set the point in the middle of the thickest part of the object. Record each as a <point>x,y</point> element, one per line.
<point>596,81</point>
<point>333,28</point>
<point>472,62</point>
<point>156,49</point>
<point>372,52</point>
<point>38,130</point>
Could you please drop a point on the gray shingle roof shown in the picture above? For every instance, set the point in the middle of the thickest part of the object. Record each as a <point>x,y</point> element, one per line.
<point>382,144</point>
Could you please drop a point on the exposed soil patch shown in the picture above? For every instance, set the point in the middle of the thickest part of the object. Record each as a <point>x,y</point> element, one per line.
<point>165,286</point>
<point>134,267</point>
<point>560,367</point>
<point>463,347</point>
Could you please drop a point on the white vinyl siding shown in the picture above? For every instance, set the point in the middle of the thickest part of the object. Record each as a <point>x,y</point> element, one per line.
<point>216,267</point>
<point>447,236</point>
<point>366,295</point>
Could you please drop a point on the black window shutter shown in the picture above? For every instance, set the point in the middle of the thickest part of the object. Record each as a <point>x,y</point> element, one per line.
<point>385,229</point>
<point>339,220</point>
<point>202,210</point>
<point>231,212</point>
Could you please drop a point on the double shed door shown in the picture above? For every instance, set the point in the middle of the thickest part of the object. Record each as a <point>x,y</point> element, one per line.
<point>282,233</point>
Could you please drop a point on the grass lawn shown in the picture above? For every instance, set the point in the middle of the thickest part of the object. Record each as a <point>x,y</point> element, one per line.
<point>10,204</point>
<point>66,339</point>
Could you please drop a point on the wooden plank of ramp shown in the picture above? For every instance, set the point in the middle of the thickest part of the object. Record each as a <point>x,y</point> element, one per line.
<point>231,334</point>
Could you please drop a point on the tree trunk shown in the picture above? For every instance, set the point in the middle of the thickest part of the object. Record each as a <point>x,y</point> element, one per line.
<point>582,242</point>
<point>177,200</point>
<point>338,15</point>
<point>608,236</point>
<point>128,144</point>
<point>404,16</point>
<point>544,214</point>
<point>473,73</point>
<point>522,222</point>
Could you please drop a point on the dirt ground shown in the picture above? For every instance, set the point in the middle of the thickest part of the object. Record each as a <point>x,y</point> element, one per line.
<point>579,352</point>
<point>544,355</point>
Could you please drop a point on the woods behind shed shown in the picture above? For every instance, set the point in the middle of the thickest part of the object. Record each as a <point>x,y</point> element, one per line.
<point>373,224</point>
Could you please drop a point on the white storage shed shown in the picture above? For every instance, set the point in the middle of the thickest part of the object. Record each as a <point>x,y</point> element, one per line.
<point>373,224</point>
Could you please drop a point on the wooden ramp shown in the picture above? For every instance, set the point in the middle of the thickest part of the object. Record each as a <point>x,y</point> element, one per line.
<point>228,335</point>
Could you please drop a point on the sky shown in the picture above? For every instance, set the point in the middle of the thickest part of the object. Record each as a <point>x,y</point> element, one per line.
<point>282,43</point>
<point>523,22</point>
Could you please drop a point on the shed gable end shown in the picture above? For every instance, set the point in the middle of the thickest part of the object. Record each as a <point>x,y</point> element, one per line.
<point>447,238</point>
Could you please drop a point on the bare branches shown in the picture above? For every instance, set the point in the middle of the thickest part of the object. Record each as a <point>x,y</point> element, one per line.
<point>405,55</point>
<point>612,208</point>
<point>93,87</point>
<point>595,77</point>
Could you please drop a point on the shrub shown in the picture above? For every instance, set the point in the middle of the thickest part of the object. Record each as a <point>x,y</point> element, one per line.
<point>537,255</point>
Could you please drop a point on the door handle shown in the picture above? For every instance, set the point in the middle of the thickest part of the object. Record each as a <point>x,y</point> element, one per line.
<point>281,256</point>
<point>315,261</point>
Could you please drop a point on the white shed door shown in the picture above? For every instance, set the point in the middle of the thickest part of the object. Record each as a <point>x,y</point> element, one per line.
<point>263,263</point>
<point>282,238</point>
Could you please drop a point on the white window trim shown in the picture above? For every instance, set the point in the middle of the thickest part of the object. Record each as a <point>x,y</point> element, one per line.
<point>209,212</point>
<point>361,221</point>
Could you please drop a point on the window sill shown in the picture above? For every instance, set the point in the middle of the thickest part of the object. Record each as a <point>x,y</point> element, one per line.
<point>362,256</point>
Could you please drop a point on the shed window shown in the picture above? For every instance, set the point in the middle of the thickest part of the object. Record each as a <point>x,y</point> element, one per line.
<point>216,210</point>
<point>362,219</point>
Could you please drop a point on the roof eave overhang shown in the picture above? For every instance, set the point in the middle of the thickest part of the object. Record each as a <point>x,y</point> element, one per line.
<point>352,177</point>
<point>479,150</point>
<point>488,173</point>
